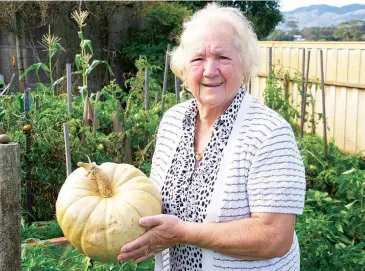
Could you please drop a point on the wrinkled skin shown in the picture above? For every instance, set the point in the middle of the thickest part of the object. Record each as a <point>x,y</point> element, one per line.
<point>165,231</point>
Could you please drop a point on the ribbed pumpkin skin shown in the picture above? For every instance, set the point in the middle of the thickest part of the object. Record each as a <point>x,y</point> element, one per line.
<point>98,227</point>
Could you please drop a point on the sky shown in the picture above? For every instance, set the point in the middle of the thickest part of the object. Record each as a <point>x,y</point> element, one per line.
<point>288,5</point>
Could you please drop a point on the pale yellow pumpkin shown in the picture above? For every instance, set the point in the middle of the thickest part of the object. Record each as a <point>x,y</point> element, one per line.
<point>98,208</point>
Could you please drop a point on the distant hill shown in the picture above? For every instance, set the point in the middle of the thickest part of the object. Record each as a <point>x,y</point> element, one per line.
<point>323,15</point>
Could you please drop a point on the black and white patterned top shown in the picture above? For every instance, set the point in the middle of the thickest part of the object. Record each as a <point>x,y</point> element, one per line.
<point>261,170</point>
<point>187,191</point>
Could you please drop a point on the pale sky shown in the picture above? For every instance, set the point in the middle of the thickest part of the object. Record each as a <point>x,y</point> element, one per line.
<point>288,5</point>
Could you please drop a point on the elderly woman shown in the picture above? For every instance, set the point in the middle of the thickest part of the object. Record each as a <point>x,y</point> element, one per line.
<point>231,177</point>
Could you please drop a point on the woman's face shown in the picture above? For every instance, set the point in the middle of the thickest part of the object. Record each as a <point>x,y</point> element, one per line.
<point>214,72</point>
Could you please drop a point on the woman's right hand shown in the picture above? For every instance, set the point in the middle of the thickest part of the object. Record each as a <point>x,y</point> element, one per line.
<point>165,231</point>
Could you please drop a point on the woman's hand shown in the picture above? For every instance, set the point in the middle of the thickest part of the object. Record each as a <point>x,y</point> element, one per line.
<point>165,231</point>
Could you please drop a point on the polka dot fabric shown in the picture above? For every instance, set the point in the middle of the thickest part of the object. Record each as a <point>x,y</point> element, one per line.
<point>187,191</point>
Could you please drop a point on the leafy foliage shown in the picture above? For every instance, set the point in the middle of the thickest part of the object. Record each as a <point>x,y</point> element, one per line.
<point>276,98</point>
<point>162,25</point>
<point>279,35</point>
<point>330,231</point>
<point>42,258</point>
<point>40,230</point>
<point>264,15</point>
<point>47,152</point>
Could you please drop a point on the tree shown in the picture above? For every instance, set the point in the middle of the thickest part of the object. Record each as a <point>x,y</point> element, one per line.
<point>353,30</point>
<point>293,25</point>
<point>278,35</point>
<point>319,33</point>
<point>264,15</point>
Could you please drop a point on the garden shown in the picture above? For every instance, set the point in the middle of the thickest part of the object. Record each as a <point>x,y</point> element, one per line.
<point>119,123</point>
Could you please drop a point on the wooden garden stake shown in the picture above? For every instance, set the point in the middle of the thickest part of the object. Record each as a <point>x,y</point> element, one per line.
<point>10,227</point>
<point>36,103</point>
<point>324,108</point>
<point>127,147</point>
<point>27,132</point>
<point>302,95</point>
<point>146,88</point>
<point>146,98</point>
<point>286,86</point>
<point>156,97</point>
<point>177,89</point>
<point>69,88</point>
<point>124,144</point>
<point>95,115</point>
<point>304,98</point>
<point>117,128</point>
<point>270,60</point>
<point>66,134</point>
<point>166,72</point>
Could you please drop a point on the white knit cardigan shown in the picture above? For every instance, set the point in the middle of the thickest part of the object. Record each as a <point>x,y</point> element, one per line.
<point>261,171</point>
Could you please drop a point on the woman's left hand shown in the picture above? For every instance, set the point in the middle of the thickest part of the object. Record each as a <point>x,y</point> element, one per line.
<point>165,231</point>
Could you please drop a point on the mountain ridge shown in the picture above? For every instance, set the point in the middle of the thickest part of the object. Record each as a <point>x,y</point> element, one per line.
<point>323,15</point>
<point>327,8</point>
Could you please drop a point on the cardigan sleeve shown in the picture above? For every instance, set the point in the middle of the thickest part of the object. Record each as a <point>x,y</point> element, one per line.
<point>276,181</point>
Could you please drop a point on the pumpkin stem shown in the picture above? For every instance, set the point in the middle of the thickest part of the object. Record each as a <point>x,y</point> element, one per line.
<point>98,176</point>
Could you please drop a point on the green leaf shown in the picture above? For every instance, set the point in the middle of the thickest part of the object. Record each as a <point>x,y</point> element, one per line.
<point>95,63</point>
<point>63,78</point>
<point>78,72</point>
<point>83,91</point>
<point>349,206</point>
<point>349,171</point>
<point>78,60</point>
<point>20,103</point>
<point>55,47</point>
<point>87,43</point>
<point>339,227</point>
<point>35,67</point>
<point>146,265</point>
<point>108,96</point>
<point>58,81</point>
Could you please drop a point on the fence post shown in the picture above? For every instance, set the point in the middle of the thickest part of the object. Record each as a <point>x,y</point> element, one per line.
<point>10,228</point>
<point>69,88</point>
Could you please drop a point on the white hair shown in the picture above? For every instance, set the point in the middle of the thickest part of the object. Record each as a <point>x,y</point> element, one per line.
<point>214,13</point>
